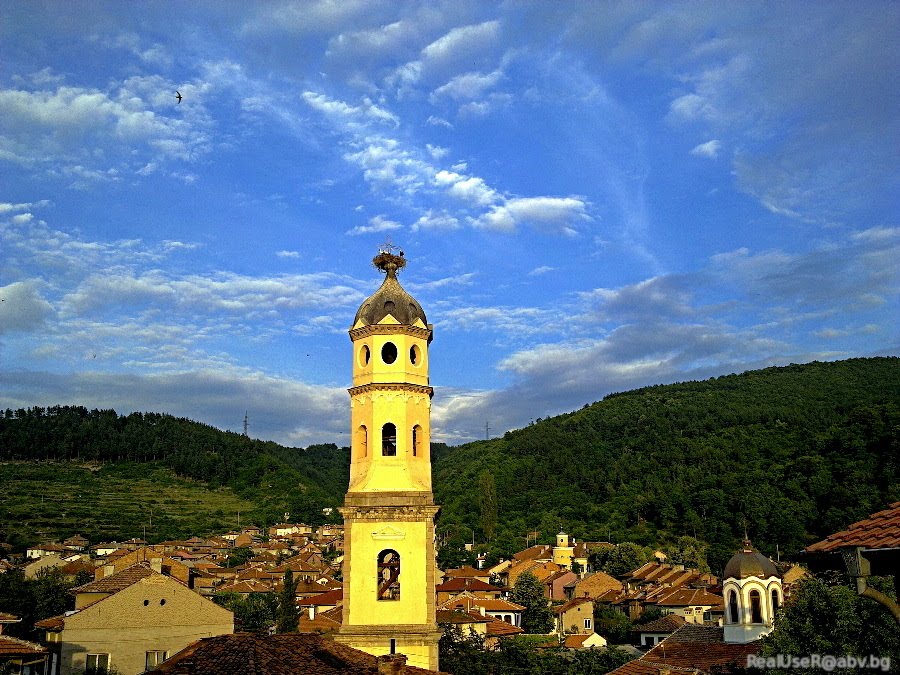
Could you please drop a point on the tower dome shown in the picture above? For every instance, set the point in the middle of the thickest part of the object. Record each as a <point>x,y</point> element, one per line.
<point>748,562</point>
<point>390,299</point>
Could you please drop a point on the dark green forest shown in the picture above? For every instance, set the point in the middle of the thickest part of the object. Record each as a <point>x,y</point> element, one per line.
<point>791,453</point>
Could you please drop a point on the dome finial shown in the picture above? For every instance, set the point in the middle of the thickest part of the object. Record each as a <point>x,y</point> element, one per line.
<point>387,260</point>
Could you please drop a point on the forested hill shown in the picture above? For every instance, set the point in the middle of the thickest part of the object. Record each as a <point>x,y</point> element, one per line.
<point>797,452</point>
<point>276,478</point>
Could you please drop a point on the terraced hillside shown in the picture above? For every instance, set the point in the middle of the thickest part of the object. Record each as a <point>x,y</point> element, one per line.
<point>53,500</point>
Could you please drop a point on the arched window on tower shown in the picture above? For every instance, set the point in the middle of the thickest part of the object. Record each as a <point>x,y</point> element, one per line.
<point>389,575</point>
<point>755,607</point>
<point>733,607</point>
<point>362,440</point>
<point>416,440</point>
<point>389,440</point>
<point>776,601</point>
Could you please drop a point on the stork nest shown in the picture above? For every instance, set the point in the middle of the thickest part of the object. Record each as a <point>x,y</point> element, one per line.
<point>386,261</point>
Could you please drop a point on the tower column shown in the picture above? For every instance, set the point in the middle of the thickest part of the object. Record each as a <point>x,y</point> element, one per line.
<point>389,510</point>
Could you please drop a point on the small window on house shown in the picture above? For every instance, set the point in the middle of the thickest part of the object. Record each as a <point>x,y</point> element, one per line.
<point>389,440</point>
<point>389,575</point>
<point>414,355</point>
<point>416,440</point>
<point>97,662</point>
<point>732,607</point>
<point>155,658</point>
<point>587,623</point>
<point>755,607</point>
<point>775,601</point>
<point>364,355</point>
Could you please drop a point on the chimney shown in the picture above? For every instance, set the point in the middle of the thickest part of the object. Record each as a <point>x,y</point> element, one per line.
<point>108,569</point>
<point>156,565</point>
<point>312,611</point>
<point>391,664</point>
<point>482,610</point>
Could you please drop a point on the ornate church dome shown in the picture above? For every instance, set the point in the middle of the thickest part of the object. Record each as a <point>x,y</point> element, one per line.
<point>748,562</point>
<point>390,298</point>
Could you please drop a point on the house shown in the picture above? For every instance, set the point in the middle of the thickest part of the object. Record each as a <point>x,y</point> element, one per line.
<point>592,586</point>
<point>104,549</point>
<point>575,616</point>
<point>468,623</point>
<point>151,555</point>
<point>868,547</point>
<point>694,605</point>
<point>21,656</point>
<point>555,584</point>
<point>45,562</point>
<point>76,543</point>
<point>453,587</point>
<point>285,654</point>
<point>584,641</point>
<point>506,611</point>
<point>695,649</point>
<point>131,621</point>
<point>468,572</point>
<point>44,550</point>
<point>654,632</point>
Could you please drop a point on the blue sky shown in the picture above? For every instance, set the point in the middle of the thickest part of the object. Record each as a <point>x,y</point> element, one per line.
<point>592,197</point>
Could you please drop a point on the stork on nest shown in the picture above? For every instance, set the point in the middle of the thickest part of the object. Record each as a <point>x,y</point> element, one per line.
<point>388,262</point>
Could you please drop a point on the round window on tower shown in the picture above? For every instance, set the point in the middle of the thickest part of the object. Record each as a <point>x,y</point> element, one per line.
<point>415,355</point>
<point>364,355</point>
<point>389,352</point>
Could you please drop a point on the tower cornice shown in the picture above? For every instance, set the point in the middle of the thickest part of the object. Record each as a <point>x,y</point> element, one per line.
<point>390,329</point>
<point>391,386</point>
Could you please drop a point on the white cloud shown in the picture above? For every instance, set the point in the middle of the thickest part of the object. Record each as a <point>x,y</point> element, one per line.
<point>709,149</point>
<point>376,224</point>
<point>538,271</point>
<point>288,254</point>
<point>555,214</point>
<point>432,220</point>
<point>467,86</point>
<point>22,308</point>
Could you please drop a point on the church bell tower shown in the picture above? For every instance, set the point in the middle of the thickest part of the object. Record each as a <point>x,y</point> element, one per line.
<point>389,510</point>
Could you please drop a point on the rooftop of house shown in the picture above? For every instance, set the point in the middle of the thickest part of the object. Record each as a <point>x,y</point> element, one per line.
<point>574,602</point>
<point>285,654</point>
<point>116,582</point>
<point>689,597</point>
<point>11,647</point>
<point>880,530</point>
<point>665,624</point>
<point>465,584</point>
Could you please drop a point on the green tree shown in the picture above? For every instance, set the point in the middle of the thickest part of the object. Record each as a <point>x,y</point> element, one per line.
<point>288,615</point>
<point>830,618</point>
<point>238,556</point>
<point>625,558</point>
<point>529,592</point>
<point>689,552</point>
<point>612,624</point>
<point>487,501</point>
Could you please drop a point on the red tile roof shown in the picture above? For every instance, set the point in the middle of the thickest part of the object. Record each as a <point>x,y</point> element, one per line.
<point>687,597</point>
<point>10,646</point>
<point>880,530</point>
<point>498,628</point>
<point>334,597</point>
<point>116,582</point>
<point>666,624</point>
<point>691,648</point>
<point>465,584</point>
<point>54,623</point>
<point>574,602</point>
<point>286,654</point>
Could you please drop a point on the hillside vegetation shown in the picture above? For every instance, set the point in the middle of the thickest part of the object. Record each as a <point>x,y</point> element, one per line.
<point>793,453</point>
<point>50,501</point>
<point>268,480</point>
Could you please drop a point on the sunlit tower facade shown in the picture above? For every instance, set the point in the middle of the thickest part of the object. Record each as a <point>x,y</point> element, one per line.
<point>389,510</point>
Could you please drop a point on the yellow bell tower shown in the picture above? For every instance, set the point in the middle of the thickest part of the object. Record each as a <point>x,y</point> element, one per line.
<point>389,510</point>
